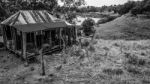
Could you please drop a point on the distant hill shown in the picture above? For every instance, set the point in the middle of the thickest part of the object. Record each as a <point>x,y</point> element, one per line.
<point>125,27</point>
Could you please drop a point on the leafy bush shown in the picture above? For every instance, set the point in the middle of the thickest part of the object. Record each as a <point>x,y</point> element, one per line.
<point>88,26</point>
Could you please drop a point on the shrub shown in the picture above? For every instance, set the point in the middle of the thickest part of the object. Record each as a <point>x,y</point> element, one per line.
<point>88,26</point>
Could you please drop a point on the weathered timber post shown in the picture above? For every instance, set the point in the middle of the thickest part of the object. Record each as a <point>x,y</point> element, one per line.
<point>41,51</point>
<point>4,37</point>
<point>24,47</point>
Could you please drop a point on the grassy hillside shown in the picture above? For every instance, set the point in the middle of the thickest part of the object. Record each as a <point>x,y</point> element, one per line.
<point>125,27</point>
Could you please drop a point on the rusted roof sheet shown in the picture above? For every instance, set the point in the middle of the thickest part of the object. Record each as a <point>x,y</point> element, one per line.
<point>30,17</point>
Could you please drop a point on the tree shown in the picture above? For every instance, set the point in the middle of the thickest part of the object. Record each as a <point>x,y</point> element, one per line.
<point>123,9</point>
<point>88,26</point>
<point>51,4</point>
<point>3,12</point>
<point>147,5</point>
<point>69,3</point>
<point>138,9</point>
<point>70,16</point>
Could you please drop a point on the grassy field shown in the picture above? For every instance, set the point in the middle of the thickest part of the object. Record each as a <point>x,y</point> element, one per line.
<point>125,27</point>
<point>101,61</point>
<point>106,62</point>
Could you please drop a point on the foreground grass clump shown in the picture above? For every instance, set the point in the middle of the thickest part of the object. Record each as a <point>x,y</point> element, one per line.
<point>85,43</point>
<point>91,48</point>
<point>111,71</point>
<point>134,70</point>
<point>134,60</point>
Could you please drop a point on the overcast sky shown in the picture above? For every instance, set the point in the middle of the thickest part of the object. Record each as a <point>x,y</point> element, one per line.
<point>105,2</point>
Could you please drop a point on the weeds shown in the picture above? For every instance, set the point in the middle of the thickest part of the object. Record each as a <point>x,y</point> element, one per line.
<point>146,72</point>
<point>85,43</point>
<point>91,48</point>
<point>134,60</point>
<point>111,71</point>
<point>145,81</point>
<point>134,70</point>
<point>94,42</point>
<point>97,36</point>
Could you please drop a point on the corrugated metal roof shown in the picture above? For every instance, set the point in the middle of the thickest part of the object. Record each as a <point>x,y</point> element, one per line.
<point>34,20</point>
<point>29,17</point>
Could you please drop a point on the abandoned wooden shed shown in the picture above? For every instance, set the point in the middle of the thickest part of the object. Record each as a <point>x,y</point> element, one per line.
<point>27,30</point>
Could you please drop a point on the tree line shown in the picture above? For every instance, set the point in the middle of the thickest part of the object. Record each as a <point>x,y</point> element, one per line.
<point>71,7</point>
<point>12,6</point>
